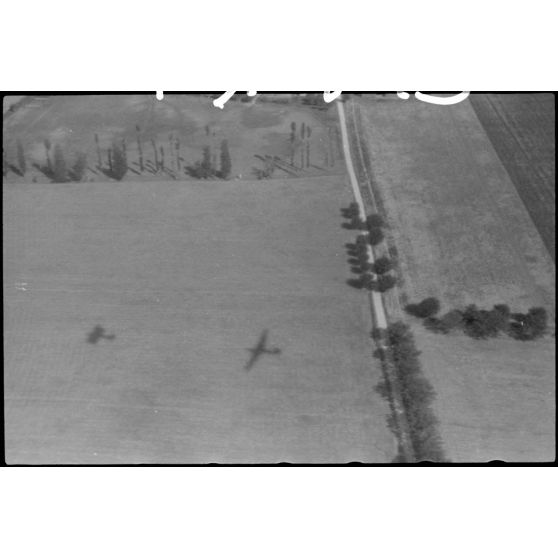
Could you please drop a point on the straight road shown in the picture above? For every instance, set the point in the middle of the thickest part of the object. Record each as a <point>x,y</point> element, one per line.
<point>377,301</point>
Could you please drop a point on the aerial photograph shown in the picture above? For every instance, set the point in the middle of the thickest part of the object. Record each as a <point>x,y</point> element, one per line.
<point>279,278</point>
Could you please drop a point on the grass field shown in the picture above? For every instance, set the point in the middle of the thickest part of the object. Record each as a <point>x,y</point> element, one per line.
<point>259,128</point>
<point>464,236</point>
<point>186,276</point>
<point>521,128</point>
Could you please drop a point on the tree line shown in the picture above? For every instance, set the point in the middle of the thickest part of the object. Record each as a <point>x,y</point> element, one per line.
<point>114,161</point>
<point>479,323</point>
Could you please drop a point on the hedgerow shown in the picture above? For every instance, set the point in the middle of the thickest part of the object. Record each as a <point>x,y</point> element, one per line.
<point>417,394</point>
<point>478,323</point>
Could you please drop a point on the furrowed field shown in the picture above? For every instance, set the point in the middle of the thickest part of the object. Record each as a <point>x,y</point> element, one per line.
<point>183,277</point>
<point>521,128</point>
<point>464,236</point>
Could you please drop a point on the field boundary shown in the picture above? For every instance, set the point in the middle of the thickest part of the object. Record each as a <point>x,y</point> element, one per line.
<point>401,426</point>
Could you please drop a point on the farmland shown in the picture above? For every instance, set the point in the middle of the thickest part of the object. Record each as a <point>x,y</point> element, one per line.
<point>464,235</point>
<point>182,277</point>
<point>521,129</point>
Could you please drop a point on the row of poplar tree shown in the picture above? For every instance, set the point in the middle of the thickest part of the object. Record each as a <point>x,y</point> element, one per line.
<point>58,169</point>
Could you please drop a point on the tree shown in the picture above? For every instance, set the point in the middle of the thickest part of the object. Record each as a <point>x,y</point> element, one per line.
<point>425,309</point>
<point>385,282</point>
<point>155,155</point>
<point>382,265</point>
<point>532,325</point>
<point>452,319</point>
<point>78,168</point>
<point>479,324</point>
<point>203,168</point>
<point>376,235</point>
<point>302,135</point>
<point>98,146</point>
<point>308,134</point>
<point>206,161</point>
<point>119,163</point>
<point>59,173</point>
<point>140,147</point>
<point>47,150</point>
<point>226,165</point>
<point>293,138</point>
<point>374,220</point>
<point>21,158</point>
<point>500,316</point>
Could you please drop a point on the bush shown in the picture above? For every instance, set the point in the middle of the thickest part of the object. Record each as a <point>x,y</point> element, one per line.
<point>376,235</point>
<point>425,309</point>
<point>385,282</point>
<point>382,265</point>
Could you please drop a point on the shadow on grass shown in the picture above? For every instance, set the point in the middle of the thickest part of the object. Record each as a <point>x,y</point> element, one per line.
<point>356,283</point>
<point>97,334</point>
<point>47,171</point>
<point>15,170</point>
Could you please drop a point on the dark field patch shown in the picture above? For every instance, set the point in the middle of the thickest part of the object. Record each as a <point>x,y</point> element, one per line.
<point>521,129</point>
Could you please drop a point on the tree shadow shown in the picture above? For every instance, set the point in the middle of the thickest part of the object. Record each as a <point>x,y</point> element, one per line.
<point>15,170</point>
<point>354,225</point>
<point>47,171</point>
<point>111,173</point>
<point>352,216</point>
<point>356,283</point>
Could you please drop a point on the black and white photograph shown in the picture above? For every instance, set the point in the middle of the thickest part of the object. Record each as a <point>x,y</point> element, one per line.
<point>279,278</point>
<point>246,315</point>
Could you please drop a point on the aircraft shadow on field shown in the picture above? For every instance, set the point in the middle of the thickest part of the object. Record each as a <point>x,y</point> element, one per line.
<point>260,349</point>
<point>99,333</point>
